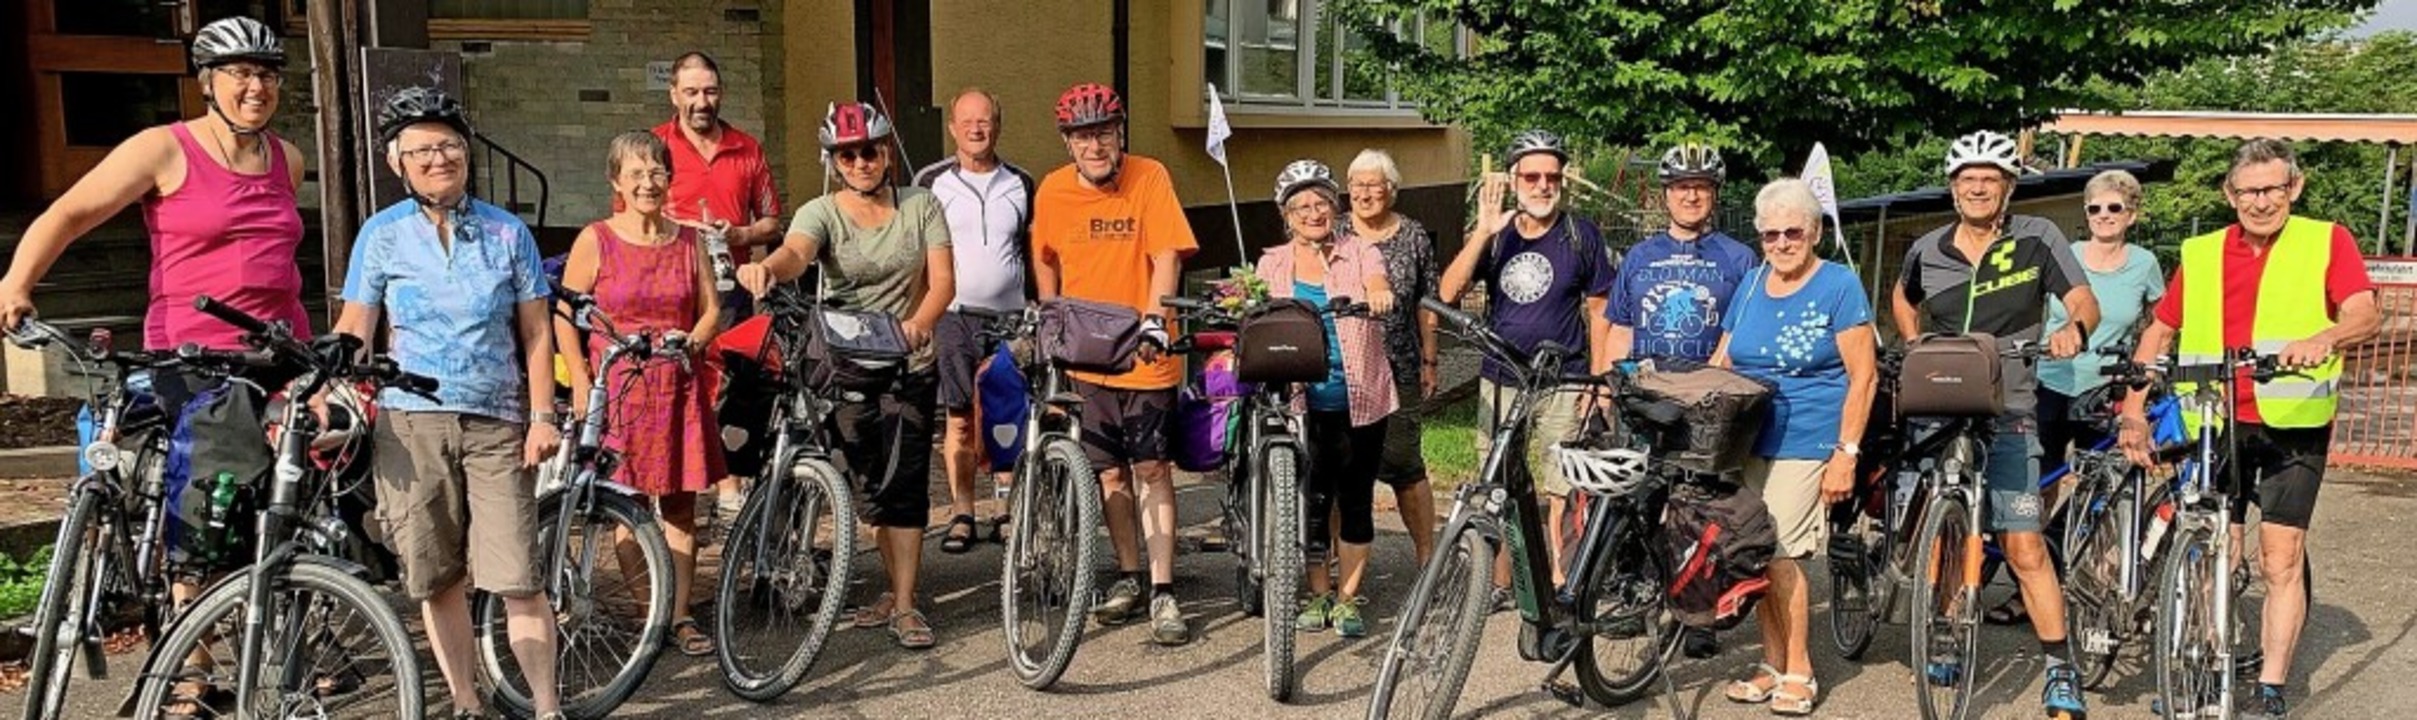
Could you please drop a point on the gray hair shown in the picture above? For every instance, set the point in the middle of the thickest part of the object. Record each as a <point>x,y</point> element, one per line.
<point>638,144</point>
<point>1376,161</point>
<point>2113,181</point>
<point>1786,196</point>
<point>2263,150</point>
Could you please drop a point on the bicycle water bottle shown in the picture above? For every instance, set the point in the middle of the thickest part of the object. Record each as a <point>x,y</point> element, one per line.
<point>2156,530</point>
<point>222,502</point>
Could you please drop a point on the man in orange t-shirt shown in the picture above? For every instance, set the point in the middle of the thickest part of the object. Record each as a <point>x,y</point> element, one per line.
<point>1107,228</point>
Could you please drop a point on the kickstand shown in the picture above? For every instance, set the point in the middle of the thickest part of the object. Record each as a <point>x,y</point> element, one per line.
<point>1669,686</point>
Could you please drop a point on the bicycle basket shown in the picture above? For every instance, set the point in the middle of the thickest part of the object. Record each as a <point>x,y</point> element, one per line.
<point>1699,418</point>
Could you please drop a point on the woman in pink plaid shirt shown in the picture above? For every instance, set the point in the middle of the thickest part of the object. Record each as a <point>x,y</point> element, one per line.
<point>1347,410</point>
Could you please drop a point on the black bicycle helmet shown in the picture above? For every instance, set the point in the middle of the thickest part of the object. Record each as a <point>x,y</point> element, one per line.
<point>237,39</point>
<point>413,105</point>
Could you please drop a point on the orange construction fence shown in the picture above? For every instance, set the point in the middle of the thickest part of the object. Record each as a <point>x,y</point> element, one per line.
<point>2377,423</point>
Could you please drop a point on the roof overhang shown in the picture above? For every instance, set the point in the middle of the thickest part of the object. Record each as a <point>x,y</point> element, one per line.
<point>2313,127</point>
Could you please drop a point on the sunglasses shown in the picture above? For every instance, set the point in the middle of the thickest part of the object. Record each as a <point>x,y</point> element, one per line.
<point>1790,234</point>
<point>1540,178</point>
<point>2107,209</point>
<point>856,154</point>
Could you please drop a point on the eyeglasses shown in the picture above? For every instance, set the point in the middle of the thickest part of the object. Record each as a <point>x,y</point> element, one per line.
<point>1691,188</point>
<point>1377,186</point>
<point>861,153</point>
<point>1096,136</point>
<point>2270,193</point>
<point>1311,208</point>
<point>661,176</point>
<point>1789,234</point>
<point>2107,209</point>
<point>451,149</point>
<point>1540,178</point>
<point>265,78</point>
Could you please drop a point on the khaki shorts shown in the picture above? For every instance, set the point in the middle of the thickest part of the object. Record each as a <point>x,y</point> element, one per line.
<point>1554,420</point>
<point>1792,490</point>
<point>452,498</point>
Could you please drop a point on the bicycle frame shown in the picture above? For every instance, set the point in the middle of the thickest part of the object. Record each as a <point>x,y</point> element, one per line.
<point>586,463</point>
<point>2200,504</point>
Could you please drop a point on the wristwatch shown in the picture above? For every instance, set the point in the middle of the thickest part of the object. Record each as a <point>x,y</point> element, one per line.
<point>1850,449</point>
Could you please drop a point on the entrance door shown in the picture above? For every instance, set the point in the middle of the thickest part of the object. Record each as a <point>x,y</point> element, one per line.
<point>104,70</point>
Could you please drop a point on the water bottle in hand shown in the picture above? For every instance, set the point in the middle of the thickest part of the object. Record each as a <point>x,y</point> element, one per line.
<point>717,247</point>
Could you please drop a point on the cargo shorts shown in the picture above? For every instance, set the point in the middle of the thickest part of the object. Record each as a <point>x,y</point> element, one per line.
<point>454,499</point>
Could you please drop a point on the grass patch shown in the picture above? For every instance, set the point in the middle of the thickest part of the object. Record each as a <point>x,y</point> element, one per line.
<point>21,583</point>
<point>1449,442</point>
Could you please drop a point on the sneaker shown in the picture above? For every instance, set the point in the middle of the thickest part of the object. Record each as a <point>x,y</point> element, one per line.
<point>1122,606</point>
<point>2061,696</point>
<point>1503,600</point>
<point>2265,704</point>
<point>1313,616</point>
<point>1347,620</point>
<point>1701,644</point>
<point>1166,622</point>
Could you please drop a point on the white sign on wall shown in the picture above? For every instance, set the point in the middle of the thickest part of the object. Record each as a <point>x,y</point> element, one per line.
<point>658,75</point>
<point>2392,271</point>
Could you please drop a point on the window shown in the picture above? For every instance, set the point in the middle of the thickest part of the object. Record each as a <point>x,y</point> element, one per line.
<point>1290,53</point>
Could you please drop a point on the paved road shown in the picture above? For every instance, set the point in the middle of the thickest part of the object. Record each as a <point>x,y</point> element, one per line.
<point>2356,663</point>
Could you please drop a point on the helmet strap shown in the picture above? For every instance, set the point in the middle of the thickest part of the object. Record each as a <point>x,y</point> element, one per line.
<point>211,99</point>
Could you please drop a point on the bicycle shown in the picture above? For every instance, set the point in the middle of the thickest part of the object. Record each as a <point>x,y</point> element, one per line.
<point>588,528</point>
<point>1621,571</point>
<point>109,563</point>
<point>1263,498</point>
<point>1053,515</point>
<point>793,545</point>
<point>2110,547</point>
<point>2196,601</point>
<point>298,578</point>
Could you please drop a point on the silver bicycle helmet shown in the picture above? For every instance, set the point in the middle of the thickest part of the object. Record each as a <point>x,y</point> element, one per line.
<point>237,39</point>
<point>1302,175</point>
<point>1983,148</point>
<point>1534,141</point>
<point>1610,473</point>
<point>1691,161</point>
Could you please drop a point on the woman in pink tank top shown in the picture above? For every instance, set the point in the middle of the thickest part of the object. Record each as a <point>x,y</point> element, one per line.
<point>218,193</point>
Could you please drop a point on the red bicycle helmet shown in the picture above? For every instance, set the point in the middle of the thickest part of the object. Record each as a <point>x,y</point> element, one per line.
<point>851,124</point>
<point>1088,104</point>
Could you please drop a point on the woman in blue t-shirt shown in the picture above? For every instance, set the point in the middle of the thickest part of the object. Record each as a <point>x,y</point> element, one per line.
<point>1805,326</point>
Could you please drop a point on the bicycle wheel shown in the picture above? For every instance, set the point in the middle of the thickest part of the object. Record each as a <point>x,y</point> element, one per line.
<point>1858,555</point>
<point>1436,642</point>
<point>784,579</point>
<point>1946,613</point>
<point>1045,580</point>
<point>331,648</point>
<point>62,617</point>
<point>1280,594</point>
<point>610,583</point>
<point>2188,677</point>
<point>2093,583</point>
<point>1624,601</point>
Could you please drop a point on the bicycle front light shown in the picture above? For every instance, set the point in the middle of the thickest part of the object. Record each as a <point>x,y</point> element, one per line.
<point>101,456</point>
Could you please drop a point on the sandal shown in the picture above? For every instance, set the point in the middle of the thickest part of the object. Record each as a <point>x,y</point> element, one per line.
<point>1751,690</point>
<point>917,637</point>
<point>193,693</point>
<point>955,544</point>
<point>2010,612</point>
<point>693,641</point>
<point>1787,703</point>
<point>875,615</point>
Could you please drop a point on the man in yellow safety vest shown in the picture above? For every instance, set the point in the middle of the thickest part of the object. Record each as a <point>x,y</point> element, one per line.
<point>2250,288</point>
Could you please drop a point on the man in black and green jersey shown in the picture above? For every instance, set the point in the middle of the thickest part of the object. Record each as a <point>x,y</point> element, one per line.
<point>1993,272</point>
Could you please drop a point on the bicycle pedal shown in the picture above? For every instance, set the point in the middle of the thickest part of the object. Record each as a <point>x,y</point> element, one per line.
<point>1566,692</point>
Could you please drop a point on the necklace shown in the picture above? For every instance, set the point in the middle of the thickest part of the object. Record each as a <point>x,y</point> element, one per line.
<point>233,163</point>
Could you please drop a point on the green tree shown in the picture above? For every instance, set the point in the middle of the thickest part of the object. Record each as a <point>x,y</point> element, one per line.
<point>1765,78</point>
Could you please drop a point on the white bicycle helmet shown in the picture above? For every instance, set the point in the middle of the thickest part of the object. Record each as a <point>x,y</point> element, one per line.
<point>1691,161</point>
<point>1983,148</point>
<point>1610,473</point>
<point>1534,141</point>
<point>1305,175</point>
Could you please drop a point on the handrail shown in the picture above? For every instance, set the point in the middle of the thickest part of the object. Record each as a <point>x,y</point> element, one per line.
<point>513,166</point>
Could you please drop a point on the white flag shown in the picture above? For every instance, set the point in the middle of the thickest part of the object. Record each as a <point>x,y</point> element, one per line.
<point>1218,129</point>
<point>1817,175</point>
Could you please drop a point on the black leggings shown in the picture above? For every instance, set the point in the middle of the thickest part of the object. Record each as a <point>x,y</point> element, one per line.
<point>1343,461</point>
<point>887,439</point>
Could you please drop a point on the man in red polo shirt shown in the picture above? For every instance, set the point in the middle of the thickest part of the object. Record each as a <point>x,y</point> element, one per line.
<point>721,181</point>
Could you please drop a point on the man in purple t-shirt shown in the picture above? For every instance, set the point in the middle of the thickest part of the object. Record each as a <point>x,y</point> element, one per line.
<point>1548,277</point>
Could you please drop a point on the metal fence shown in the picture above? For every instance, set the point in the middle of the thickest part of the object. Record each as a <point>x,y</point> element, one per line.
<point>2377,423</point>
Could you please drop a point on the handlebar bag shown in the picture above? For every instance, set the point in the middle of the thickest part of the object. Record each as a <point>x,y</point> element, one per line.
<point>221,432</point>
<point>1090,336</point>
<point>1718,413</point>
<point>1948,375</point>
<point>1281,341</point>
